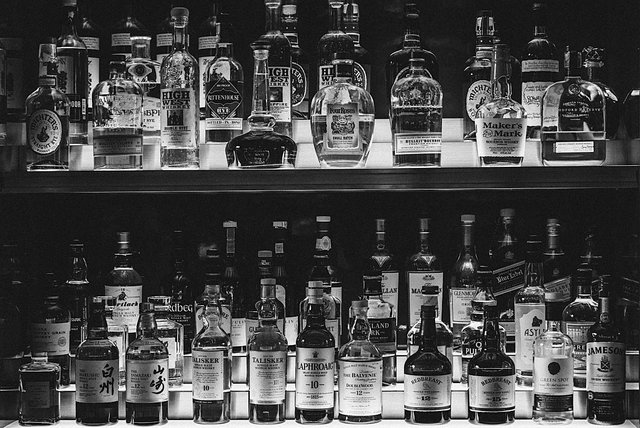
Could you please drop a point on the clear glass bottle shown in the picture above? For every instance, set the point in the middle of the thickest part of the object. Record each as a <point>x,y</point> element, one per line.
<point>557,286</point>
<point>324,268</point>
<point>383,261</point>
<point>74,295</point>
<point>50,331</point>
<point>117,333</point>
<point>573,119</point>
<point>631,105</point>
<point>334,42</point>
<point>213,292</point>
<point>261,147</point>
<point>300,65</point>
<point>595,70</point>
<point>122,31</point>
<point>342,120</point>
<point>444,337</point>
<point>179,88</point>
<point>48,110</point>
<point>92,35</point>
<point>268,293</point>
<point>382,321</point>
<point>211,376</point>
<point>331,314</point>
<point>171,334</point>
<point>501,125</point>
<point>39,399</point>
<point>12,338</point>
<point>361,57</point>
<point>208,39</point>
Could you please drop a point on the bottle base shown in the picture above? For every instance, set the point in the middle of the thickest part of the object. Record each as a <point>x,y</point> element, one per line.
<point>320,416</point>
<point>266,413</point>
<point>551,418</point>
<point>371,419</point>
<point>501,162</point>
<point>495,418</point>
<point>418,417</point>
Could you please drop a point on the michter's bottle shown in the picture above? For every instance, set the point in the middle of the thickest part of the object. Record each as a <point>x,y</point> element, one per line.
<point>361,57</point>
<point>334,42</point>
<point>383,262</point>
<point>606,362</point>
<point>74,294</point>
<point>382,320</point>
<point>315,359</point>
<point>299,61</point>
<point>50,328</point>
<point>427,377</point>
<point>97,378</point>
<point>147,397</point>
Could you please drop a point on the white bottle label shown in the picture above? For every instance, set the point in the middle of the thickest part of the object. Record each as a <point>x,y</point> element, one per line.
<point>93,77</point>
<point>390,281</point>
<point>123,110</point>
<point>119,342</point>
<point>208,42</point>
<point>238,332</point>
<point>478,93</point>
<point>280,93</point>
<point>291,330</point>
<point>151,114</point>
<point>360,386</point>
<point>225,319</point>
<point>121,39</point>
<point>558,290</point>
<point>416,299</point>
<point>208,375</point>
<point>252,327</point>
<point>314,378</point>
<point>553,384</point>
<point>540,65</point>
<point>147,381</point>
<point>281,294</point>
<point>179,118</point>
<point>579,334</point>
<point>164,39</point>
<point>461,304</point>
<point>50,338</point>
<point>501,137</point>
<point>491,393</point>
<point>573,147</point>
<point>44,132</point>
<point>38,394</point>
<point>203,64</point>
<point>343,129</point>
<point>529,325</point>
<point>172,349</point>
<point>325,76</point>
<point>418,144</point>
<point>97,381</point>
<point>606,367</point>
<point>267,377</point>
<point>427,393</point>
<point>128,301</point>
<point>532,93</point>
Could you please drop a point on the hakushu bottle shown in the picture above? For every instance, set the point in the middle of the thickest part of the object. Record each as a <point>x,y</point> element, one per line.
<point>39,399</point>
<point>97,374</point>
<point>50,331</point>
<point>335,41</point>
<point>147,397</point>
<point>361,57</point>
<point>557,286</point>
<point>208,38</point>
<point>492,377</point>
<point>300,91</point>
<point>444,337</point>
<point>179,77</point>
<point>171,334</point>
<point>315,359</point>
<point>211,378</point>
<point>382,321</point>
<point>74,294</point>
<point>117,333</point>
<point>360,371</point>
<point>383,261</point>
<point>331,311</point>
<point>606,364</point>
<point>92,36</point>
<point>427,377</point>
<point>123,30</point>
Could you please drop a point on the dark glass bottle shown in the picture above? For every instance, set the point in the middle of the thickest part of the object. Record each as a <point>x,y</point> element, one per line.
<point>335,43</point>
<point>444,337</point>
<point>50,328</point>
<point>284,292</point>
<point>97,361</point>
<point>122,31</point>
<point>208,39</point>
<point>557,277</point>
<point>631,106</point>
<point>74,295</point>
<point>361,57</point>
<point>594,70</point>
<point>427,377</point>
<point>593,259</point>
<point>494,404</point>
<point>12,340</point>
<point>92,36</point>
<point>12,38</point>
<point>299,61</point>
<point>39,402</point>
<point>382,261</point>
<point>181,292</point>
<point>231,280</point>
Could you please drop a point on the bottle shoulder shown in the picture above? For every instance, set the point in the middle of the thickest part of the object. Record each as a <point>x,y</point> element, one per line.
<point>214,339</point>
<point>581,310</point>
<point>540,48</point>
<point>93,349</point>
<point>123,277</point>
<point>491,360</point>
<point>427,362</point>
<point>502,108</point>
<point>315,337</point>
<point>359,350</point>
<point>147,348</point>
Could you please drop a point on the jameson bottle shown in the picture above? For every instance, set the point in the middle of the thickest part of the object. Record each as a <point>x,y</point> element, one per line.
<point>74,295</point>
<point>299,61</point>
<point>382,320</point>
<point>97,362</point>
<point>427,377</point>
<point>50,330</point>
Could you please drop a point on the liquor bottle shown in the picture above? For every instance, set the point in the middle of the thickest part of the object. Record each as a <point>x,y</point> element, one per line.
<point>91,35</point>
<point>382,321</point>
<point>3,95</point>
<point>213,292</point>
<point>211,360</point>
<point>147,397</point>
<point>164,36</point>
<point>361,57</point>
<point>342,120</point>
<point>117,333</point>
<point>331,314</point>
<point>428,377</point>
<point>208,38</point>
<point>315,359</point>
<point>267,362</point>
<point>97,377</point>
<point>416,118</point>
<point>123,30</point>
<point>529,308</point>
<point>284,292</point>
<point>179,78</point>
<point>324,268</point>
<point>279,69</point>
<point>606,363</point>
<point>553,376</point>
<point>12,337</point>
<point>444,337</point>
<point>50,329</point>
<point>423,269</point>
<point>48,111</point>
<point>462,287</point>
<point>594,70</point>
<point>501,122</point>
<point>171,334</point>
<point>18,284</point>
<point>39,400</point>
<point>117,122</point>
<point>231,281</point>
<point>268,293</point>
<point>494,404</point>
<point>360,371</point>
<point>631,105</point>
<point>12,38</point>
<point>74,295</point>
<point>540,69</point>
<point>261,147</point>
<point>557,286</point>
<point>398,62</point>
<point>570,138</point>
<point>299,62</point>
<point>477,72</point>
<point>334,42</point>
<point>384,262</point>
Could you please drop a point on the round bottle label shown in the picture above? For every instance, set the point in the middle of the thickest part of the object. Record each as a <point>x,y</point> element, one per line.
<point>478,93</point>
<point>299,85</point>
<point>44,132</point>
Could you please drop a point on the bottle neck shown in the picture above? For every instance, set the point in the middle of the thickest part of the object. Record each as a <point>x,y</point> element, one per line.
<point>180,36</point>
<point>69,21</point>
<point>273,18</point>
<point>491,335</point>
<point>290,24</point>
<point>412,37</point>
<point>315,313</point>
<point>540,31</point>
<point>425,242</point>
<point>595,72</point>
<point>604,310</point>
<point>553,325</point>
<point>141,49</point>
<point>97,325</point>
<point>584,290</point>
<point>336,18</point>
<point>78,269</point>
<point>224,50</point>
<point>261,119</point>
<point>123,260</point>
<point>534,274</point>
<point>212,316</point>
<point>467,237</point>
<point>147,325</point>
<point>381,241</point>
<point>501,79</point>
<point>428,334</point>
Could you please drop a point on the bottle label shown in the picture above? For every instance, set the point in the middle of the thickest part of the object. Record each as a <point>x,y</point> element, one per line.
<point>267,377</point>
<point>121,39</point>
<point>360,386</point>
<point>291,330</point>
<point>418,144</point>
<point>123,110</point>
<point>238,332</point>
<point>492,393</point>
<point>579,334</point>
<point>92,43</point>
<point>208,42</point>
<point>209,375</point>
<point>553,385</point>
<point>147,381</point>
<point>199,314</point>
<point>314,378</point>
<point>417,280</point>
<point>179,118</point>
<point>117,144</point>
<point>280,93</point>
<point>529,325</point>
<point>325,76</point>
<point>461,304</point>
<point>360,76</point>
<point>225,319</point>
<point>164,39</point>
<point>606,367</point>
<point>299,84</point>
<point>223,102</point>
<point>38,394</point>
<point>501,137</point>
<point>252,327</point>
<point>383,330</point>
<point>93,77</point>
<point>573,113</point>
<point>172,349</point>
<point>532,93</point>
<point>281,294</point>
<point>44,132</point>
<point>203,64</point>
<point>478,93</point>
<point>573,147</point>
<point>128,301</point>
<point>97,381</point>
<point>427,392</point>
<point>50,338</point>
<point>558,290</point>
<point>343,129</point>
<point>540,66</point>
<point>390,281</point>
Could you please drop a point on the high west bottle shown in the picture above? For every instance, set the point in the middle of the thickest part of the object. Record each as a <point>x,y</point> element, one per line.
<point>383,261</point>
<point>444,337</point>
<point>171,334</point>
<point>594,70</point>
<point>74,294</point>
<point>123,30</point>
<point>50,327</point>
<point>382,320</point>
<point>299,62</point>
<point>557,286</point>
<point>335,41</point>
<point>97,372</point>
<point>361,57</point>
<point>285,293</point>
<point>92,36</point>
<point>231,281</point>
<point>208,38</point>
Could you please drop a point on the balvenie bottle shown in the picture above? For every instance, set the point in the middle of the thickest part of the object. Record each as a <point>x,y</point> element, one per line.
<point>382,320</point>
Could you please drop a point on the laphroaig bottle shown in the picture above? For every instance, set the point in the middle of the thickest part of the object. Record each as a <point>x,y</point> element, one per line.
<point>50,331</point>
<point>382,321</point>
<point>74,295</point>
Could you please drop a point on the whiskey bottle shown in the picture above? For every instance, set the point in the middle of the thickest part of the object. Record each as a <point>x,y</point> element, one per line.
<point>211,376</point>
<point>147,397</point>
<point>334,42</point>
<point>444,337</point>
<point>501,122</point>
<point>530,311</point>
<point>164,36</point>
<point>231,283</point>
<point>268,293</point>
<point>3,96</point>
<point>74,295</point>
<point>12,37</point>
<point>267,363</point>
<point>284,292</point>
<point>39,399</point>
<point>324,268</point>
<point>123,30</point>
<point>12,337</point>
<point>315,359</point>
<point>383,261</point>
<point>50,330</point>
<point>299,62</point>
<point>117,333</point>
<point>382,321</point>
<point>331,311</point>
<point>97,376</point>
<point>360,371</point>
<point>213,292</point>
<point>557,286</point>
<point>606,363</point>
<point>631,105</point>
<point>428,377</point>
<point>361,57</point>
<point>171,334</point>
<point>492,377</point>
<point>92,36</point>
<point>261,147</point>
<point>594,70</point>
<point>593,258</point>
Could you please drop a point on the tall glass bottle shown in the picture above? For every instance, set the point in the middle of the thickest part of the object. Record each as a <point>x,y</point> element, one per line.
<point>268,293</point>
<point>595,70</point>
<point>123,30</point>
<point>361,57</point>
<point>12,38</point>
<point>331,307</point>
<point>179,77</point>
<point>92,36</point>
<point>208,39</point>
<point>39,400</point>
<point>382,321</point>
<point>284,292</point>
<point>631,106</point>
<point>334,42</point>
<point>171,334</point>
<point>97,376</point>
<point>12,336</point>
<point>383,261</point>
<point>231,282</point>
<point>557,286</point>
<point>74,295</point>
<point>213,292</point>
<point>324,268</point>
<point>50,328</point>
<point>117,333</point>
<point>444,337</point>
<point>300,91</point>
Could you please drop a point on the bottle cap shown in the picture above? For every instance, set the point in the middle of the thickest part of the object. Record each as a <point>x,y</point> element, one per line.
<point>323,219</point>
<point>534,249</point>
<point>289,9</point>
<point>260,49</point>
<point>424,224</point>
<point>229,223</point>
<point>146,307</point>
<point>468,218</point>
<point>180,13</point>
<point>484,23</point>
<point>553,222</point>
<point>279,224</point>
<point>69,3</point>
<point>380,225</point>
<point>359,304</point>
<point>123,240</point>
<point>507,212</point>
<point>593,57</point>
<point>314,293</point>
<point>315,284</point>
